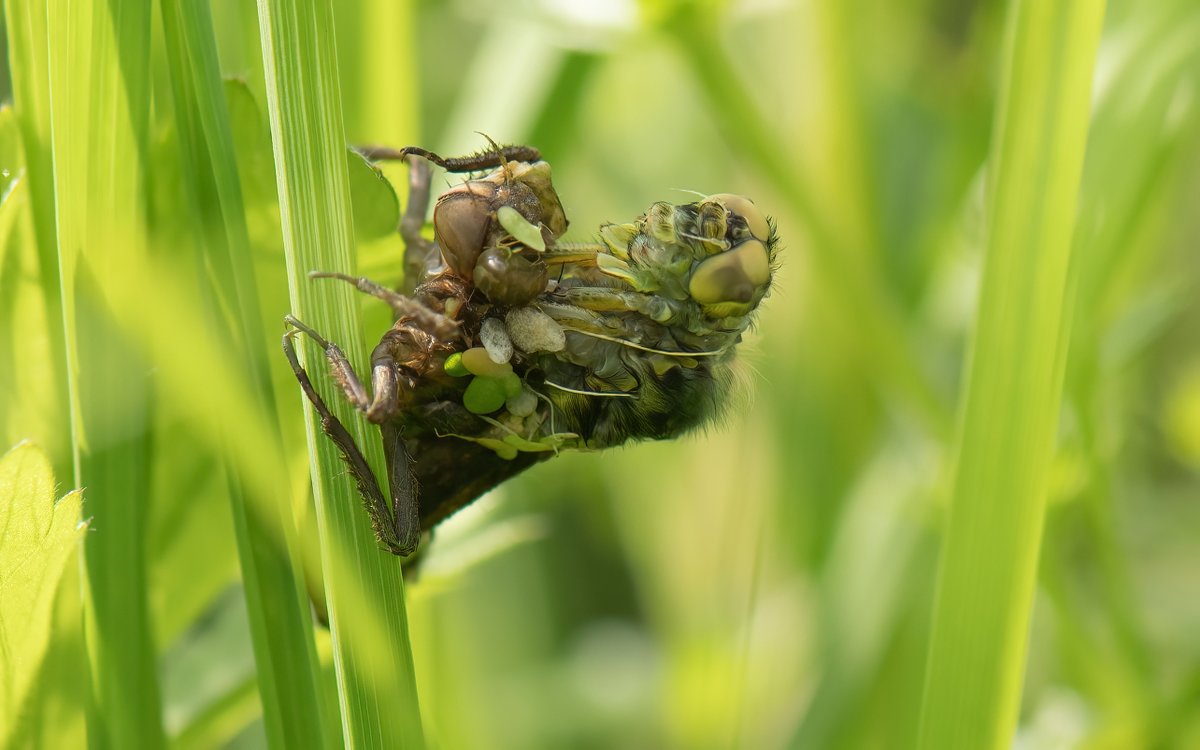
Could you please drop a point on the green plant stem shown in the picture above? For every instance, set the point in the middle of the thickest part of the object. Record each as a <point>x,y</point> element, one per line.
<point>99,75</point>
<point>364,585</point>
<point>993,532</point>
<point>288,674</point>
<point>29,65</point>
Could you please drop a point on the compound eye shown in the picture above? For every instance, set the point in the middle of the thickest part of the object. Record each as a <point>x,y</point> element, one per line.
<point>460,225</point>
<point>509,278</point>
<point>736,275</point>
<point>756,221</point>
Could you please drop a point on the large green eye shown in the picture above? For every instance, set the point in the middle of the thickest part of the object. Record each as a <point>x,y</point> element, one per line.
<point>735,275</point>
<point>756,221</point>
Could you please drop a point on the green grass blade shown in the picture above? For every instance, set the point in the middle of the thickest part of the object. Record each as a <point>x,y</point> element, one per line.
<point>28,64</point>
<point>1137,152</point>
<point>364,585</point>
<point>99,76</point>
<point>32,402</point>
<point>990,553</point>
<point>288,674</point>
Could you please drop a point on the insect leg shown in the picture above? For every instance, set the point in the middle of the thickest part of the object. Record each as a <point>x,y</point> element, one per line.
<point>406,516</point>
<point>583,253</point>
<point>383,521</point>
<point>419,253</point>
<point>399,303</point>
<point>339,366</point>
<point>476,162</point>
<point>604,299</point>
<point>405,307</point>
<point>378,408</point>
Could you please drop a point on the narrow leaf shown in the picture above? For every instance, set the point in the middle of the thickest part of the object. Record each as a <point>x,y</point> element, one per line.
<point>364,586</point>
<point>993,533</point>
<point>100,104</point>
<point>279,613</point>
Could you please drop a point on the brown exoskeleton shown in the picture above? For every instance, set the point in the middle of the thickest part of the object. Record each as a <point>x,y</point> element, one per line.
<point>514,344</point>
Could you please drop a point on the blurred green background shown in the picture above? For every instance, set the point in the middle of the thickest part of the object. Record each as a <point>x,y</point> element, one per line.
<point>767,583</point>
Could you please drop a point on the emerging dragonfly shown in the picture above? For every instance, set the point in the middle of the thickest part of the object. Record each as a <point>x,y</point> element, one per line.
<point>515,345</point>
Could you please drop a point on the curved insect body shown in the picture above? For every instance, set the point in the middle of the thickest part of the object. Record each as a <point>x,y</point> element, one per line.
<point>651,321</point>
<point>520,345</point>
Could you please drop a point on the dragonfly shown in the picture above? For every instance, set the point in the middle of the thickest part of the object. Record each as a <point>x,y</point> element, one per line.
<point>512,345</point>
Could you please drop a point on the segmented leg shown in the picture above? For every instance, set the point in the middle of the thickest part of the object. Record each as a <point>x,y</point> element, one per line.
<point>420,254</point>
<point>442,326</point>
<point>604,299</point>
<point>397,526</point>
<point>489,159</point>
<point>399,303</point>
<point>402,483</point>
<point>582,253</point>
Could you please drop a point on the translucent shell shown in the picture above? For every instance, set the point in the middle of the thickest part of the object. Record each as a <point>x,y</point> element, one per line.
<point>509,278</point>
<point>490,230</point>
<point>736,275</point>
<point>756,221</point>
<point>536,177</point>
<point>460,224</point>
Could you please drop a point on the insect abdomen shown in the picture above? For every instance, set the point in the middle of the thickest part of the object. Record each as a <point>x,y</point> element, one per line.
<point>663,405</point>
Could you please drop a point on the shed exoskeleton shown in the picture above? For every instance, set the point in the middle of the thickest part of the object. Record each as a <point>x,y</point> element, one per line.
<point>515,345</point>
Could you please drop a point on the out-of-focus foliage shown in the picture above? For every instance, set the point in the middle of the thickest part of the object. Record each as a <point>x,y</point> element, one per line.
<point>767,583</point>
<point>38,537</point>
